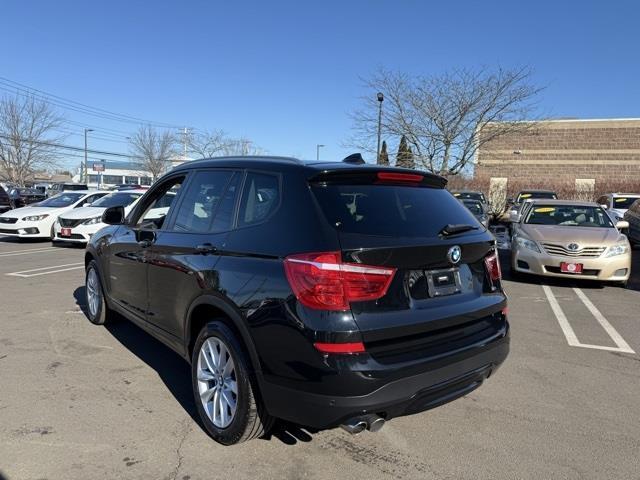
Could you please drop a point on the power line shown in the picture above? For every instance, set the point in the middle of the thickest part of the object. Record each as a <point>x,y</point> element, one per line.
<point>77,106</point>
<point>72,148</point>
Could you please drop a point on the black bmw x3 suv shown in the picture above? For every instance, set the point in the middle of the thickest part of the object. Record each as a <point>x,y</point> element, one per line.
<point>324,294</point>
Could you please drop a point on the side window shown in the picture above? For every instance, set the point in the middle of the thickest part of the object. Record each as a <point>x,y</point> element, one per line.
<point>156,208</point>
<point>260,197</point>
<point>202,198</point>
<point>90,199</point>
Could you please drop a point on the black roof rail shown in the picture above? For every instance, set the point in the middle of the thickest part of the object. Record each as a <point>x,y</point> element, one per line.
<point>354,158</point>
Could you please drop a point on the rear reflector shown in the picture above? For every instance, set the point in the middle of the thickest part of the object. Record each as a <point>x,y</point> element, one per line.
<point>394,177</point>
<point>346,348</point>
<point>323,282</point>
<point>492,263</point>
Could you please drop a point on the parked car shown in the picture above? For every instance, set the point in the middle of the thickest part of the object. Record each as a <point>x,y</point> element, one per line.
<point>478,209</point>
<point>5,200</point>
<point>563,238</point>
<point>22,196</point>
<point>80,224</point>
<point>128,186</point>
<point>324,294</point>
<point>469,195</point>
<point>514,205</point>
<point>56,188</point>
<point>617,203</point>
<point>37,221</point>
<point>632,217</point>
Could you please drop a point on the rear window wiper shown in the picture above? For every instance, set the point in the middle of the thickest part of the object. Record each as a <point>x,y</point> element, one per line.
<point>451,229</point>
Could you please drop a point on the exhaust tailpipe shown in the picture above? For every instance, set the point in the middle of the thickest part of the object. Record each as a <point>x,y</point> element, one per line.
<point>371,422</point>
<point>354,426</point>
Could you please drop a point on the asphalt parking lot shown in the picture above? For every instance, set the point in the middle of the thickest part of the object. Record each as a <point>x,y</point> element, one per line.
<point>81,401</point>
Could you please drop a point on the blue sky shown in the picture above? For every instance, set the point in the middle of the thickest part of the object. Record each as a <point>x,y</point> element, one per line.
<point>286,73</point>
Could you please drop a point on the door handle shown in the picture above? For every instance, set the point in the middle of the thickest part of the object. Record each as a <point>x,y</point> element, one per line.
<point>144,243</point>
<point>206,248</point>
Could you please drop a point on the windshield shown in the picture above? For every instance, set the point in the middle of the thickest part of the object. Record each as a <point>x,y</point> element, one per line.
<point>120,199</point>
<point>531,195</point>
<point>64,199</point>
<point>469,195</point>
<point>391,210</point>
<point>624,202</point>
<point>568,215</point>
<point>474,207</point>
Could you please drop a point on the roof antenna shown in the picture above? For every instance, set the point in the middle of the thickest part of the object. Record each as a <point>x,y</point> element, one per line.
<point>354,158</point>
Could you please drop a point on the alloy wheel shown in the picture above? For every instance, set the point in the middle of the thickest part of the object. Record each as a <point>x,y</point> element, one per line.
<point>94,293</point>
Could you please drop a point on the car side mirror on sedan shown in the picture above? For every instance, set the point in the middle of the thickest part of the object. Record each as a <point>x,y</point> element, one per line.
<point>622,225</point>
<point>605,206</point>
<point>113,215</point>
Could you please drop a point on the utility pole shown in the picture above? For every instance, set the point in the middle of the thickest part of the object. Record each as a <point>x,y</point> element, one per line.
<point>86,169</point>
<point>380,100</point>
<point>318,147</point>
<point>185,138</point>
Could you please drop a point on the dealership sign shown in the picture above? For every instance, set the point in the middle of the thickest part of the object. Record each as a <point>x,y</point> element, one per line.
<point>98,167</point>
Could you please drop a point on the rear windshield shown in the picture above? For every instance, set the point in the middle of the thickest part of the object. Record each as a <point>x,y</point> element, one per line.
<point>474,207</point>
<point>391,210</point>
<point>623,202</point>
<point>531,195</point>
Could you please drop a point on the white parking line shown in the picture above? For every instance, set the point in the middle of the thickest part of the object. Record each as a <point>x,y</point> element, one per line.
<point>27,251</point>
<point>571,336</point>
<point>35,272</point>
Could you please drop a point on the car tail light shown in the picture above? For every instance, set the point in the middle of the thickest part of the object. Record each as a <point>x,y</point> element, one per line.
<point>395,177</point>
<point>322,281</point>
<point>344,348</point>
<point>492,263</point>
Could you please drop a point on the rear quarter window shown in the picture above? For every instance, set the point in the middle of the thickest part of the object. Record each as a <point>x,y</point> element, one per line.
<point>260,198</point>
<point>390,210</point>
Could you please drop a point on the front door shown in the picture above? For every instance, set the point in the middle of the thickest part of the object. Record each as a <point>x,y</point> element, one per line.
<point>131,244</point>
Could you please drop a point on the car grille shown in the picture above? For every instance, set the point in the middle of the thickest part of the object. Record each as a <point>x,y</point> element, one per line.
<point>68,223</point>
<point>8,220</point>
<point>562,251</point>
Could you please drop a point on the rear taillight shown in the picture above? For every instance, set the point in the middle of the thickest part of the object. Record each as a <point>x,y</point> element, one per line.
<point>492,264</point>
<point>323,282</point>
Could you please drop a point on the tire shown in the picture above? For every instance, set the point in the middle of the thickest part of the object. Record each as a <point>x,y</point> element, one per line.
<point>228,427</point>
<point>98,312</point>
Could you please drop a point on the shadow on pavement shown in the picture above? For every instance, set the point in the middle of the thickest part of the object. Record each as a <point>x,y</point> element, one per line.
<point>176,373</point>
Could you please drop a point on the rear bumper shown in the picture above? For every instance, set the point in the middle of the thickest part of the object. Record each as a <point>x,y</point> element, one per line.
<point>454,377</point>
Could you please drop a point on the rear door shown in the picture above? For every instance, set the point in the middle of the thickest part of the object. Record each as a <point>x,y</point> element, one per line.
<point>182,261</point>
<point>402,226</point>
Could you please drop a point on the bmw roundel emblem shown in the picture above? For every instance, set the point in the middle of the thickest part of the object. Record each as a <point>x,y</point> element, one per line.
<point>454,255</point>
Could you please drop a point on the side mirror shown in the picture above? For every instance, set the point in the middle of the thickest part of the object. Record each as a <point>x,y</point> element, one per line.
<point>605,206</point>
<point>622,225</point>
<point>113,215</point>
<point>87,204</point>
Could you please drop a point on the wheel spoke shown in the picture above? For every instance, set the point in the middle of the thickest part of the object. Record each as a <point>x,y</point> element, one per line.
<point>231,385</point>
<point>207,358</point>
<point>207,394</point>
<point>223,410</point>
<point>228,398</point>
<point>213,352</point>
<point>205,376</point>
<point>216,408</point>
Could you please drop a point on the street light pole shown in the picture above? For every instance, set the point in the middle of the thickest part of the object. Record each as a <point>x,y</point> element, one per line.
<point>86,169</point>
<point>318,151</point>
<point>380,100</point>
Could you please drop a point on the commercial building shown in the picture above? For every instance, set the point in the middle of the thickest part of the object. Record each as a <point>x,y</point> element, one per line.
<point>586,152</point>
<point>113,173</point>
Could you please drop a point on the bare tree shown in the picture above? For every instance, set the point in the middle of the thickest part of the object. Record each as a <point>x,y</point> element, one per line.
<point>446,118</point>
<point>242,146</point>
<point>208,144</point>
<point>28,137</point>
<point>153,149</point>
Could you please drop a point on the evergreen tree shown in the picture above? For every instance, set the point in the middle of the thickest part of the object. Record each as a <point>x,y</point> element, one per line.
<point>404,158</point>
<point>383,159</point>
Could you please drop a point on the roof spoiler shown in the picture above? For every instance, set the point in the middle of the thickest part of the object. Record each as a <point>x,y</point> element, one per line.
<point>355,159</point>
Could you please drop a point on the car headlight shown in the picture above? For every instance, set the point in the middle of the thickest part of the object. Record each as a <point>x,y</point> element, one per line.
<point>92,221</point>
<point>528,244</point>
<point>618,249</point>
<point>35,218</point>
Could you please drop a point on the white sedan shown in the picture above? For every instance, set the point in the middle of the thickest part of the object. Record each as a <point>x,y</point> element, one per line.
<point>36,221</point>
<point>80,224</point>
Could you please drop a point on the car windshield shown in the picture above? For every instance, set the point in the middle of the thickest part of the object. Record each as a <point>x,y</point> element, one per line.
<point>120,199</point>
<point>469,195</point>
<point>624,202</point>
<point>64,199</point>
<point>568,215</point>
<point>474,207</point>
<point>535,195</point>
